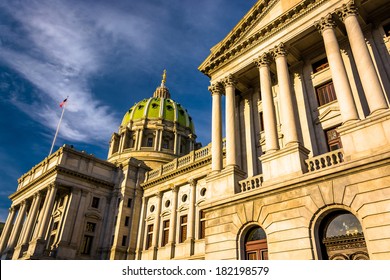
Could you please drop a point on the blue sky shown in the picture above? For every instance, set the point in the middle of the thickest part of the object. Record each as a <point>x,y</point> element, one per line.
<point>106,55</point>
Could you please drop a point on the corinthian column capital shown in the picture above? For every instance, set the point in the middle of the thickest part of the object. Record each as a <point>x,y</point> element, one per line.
<point>325,23</point>
<point>263,60</point>
<point>229,81</point>
<point>216,88</point>
<point>279,50</point>
<point>347,10</point>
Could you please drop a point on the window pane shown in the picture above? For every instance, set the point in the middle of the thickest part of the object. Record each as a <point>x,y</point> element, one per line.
<point>344,224</point>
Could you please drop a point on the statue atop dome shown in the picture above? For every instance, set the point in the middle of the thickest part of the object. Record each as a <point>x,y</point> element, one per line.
<point>162,91</point>
<point>164,78</point>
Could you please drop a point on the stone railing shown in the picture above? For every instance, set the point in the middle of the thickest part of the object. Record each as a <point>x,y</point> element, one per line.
<point>325,160</point>
<point>186,160</point>
<point>251,183</point>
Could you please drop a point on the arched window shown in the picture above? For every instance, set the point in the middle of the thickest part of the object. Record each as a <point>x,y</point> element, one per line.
<point>341,237</point>
<point>256,244</point>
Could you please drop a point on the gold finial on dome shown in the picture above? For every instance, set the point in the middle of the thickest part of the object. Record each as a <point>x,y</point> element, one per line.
<point>164,78</point>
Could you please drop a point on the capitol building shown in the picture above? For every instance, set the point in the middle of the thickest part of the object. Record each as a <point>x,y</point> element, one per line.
<point>302,172</point>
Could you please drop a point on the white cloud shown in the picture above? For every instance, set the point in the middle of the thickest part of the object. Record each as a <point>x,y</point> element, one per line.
<point>59,56</point>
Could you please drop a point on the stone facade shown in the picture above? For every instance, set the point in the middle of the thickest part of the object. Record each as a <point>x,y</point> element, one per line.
<point>302,173</point>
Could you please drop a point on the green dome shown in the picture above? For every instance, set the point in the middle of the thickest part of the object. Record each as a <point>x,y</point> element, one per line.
<point>159,108</point>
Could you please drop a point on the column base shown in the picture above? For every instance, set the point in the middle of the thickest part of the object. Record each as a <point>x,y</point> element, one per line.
<point>20,251</point>
<point>287,162</point>
<point>36,249</point>
<point>366,137</point>
<point>224,183</point>
<point>66,251</point>
<point>7,254</point>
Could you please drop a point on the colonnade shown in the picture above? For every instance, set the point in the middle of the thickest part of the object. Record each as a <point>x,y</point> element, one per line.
<point>18,230</point>
<point>370,81</point>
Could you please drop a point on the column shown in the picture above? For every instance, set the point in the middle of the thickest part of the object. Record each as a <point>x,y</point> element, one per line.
<point>287,108</point>
<point>17,226</point>
<point>270,124</point>
<point>140,136</point>
<point>7,229</point>
<point>141,229</point>
<point>156,228</point>
<point>176,141</point>
<point>365,66</point>
<point>339,75</point>
<point>173,220</point>
<point>230,120</point>
<point>191,211</point>
<point>32,218</point>
<point>52,190</point>
<point>216,127</point>
<point>157,140</point>
<point>249,137</point>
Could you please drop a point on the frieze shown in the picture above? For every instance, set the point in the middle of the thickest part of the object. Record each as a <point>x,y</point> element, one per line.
<point>222,56</point>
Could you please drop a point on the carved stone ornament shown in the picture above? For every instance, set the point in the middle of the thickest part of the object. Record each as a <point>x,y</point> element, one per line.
<point>215,88</point>
<point>325,23</point>
<point>229,81</point>
<point>279,50</point>
<point>346,10</point>
<point>263,60</point>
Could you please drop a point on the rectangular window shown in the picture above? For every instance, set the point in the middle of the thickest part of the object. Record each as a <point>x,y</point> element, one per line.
<point>165,144</point>
<point>55,226</point>
<point>86,245</point>
<point>124,240</point>
<point>95,202</point>
<point>325,93</point>
<point>183,229</point>
<point>261,117</point>
<point>149,237</point>
<point>165,235</point>
<point>129,203</point>
<point>386,28</point>
<point>127,220</point>
<point>202,225</point>
<point>149,142</point>
<point>333,139</point>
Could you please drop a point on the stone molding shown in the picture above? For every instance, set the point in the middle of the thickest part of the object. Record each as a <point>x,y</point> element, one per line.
<point>347,10</point>
<point>325,23</point>
<point>228,49</point>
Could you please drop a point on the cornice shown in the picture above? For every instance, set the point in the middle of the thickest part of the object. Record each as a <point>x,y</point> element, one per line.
<point>185,169</point>
<point>60,170</point>
<point>226,51</point>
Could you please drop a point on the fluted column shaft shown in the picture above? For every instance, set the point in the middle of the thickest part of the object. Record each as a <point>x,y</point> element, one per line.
<point>17,226</point>
<point>191,211</point>
<point>156,228</point>
<point>48,209</point>
<point>286,104</point>
<point>32,217</point>
<point>7,229</point>
<point>230,120</point>
<point>216,128</point>
<point>141,229</point>
<point>339,75</point>
<point>365,66</point>
<point>269,116</point>
<point>172,228</point>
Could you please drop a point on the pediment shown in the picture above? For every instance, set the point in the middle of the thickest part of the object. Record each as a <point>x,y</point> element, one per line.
<point>328,113</point>
<point>265,18</point>
<point>92,215</point>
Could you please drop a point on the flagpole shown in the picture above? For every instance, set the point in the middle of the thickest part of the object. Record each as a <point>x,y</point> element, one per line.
<point>58,128</point>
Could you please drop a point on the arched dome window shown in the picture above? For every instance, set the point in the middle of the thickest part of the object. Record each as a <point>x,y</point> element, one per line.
<point>341,237</point>
<point>256,244</point>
